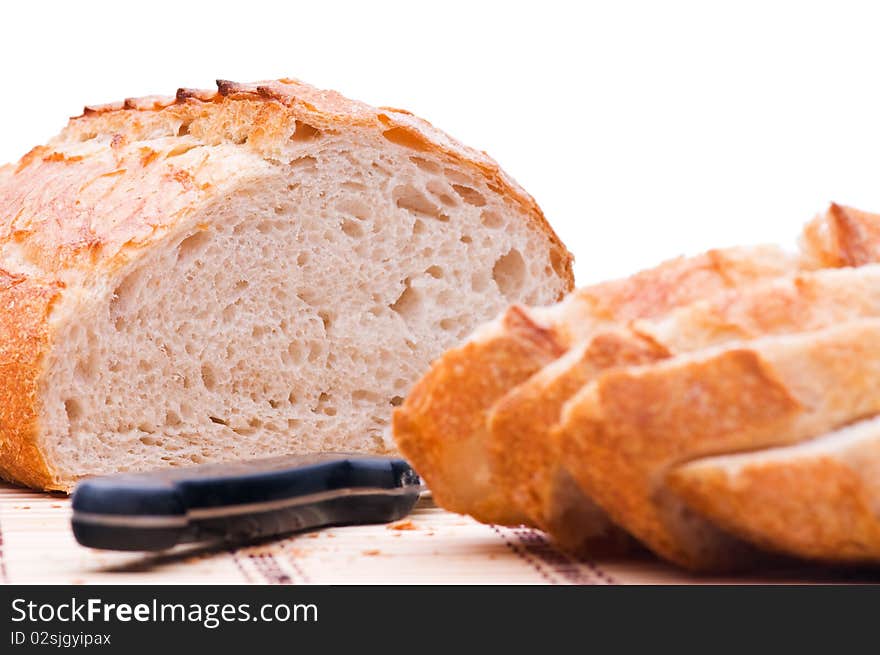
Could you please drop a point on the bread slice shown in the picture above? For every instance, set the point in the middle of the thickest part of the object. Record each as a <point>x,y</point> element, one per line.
<point>816,500</point>
<point>442,427</point>
<point>622,434</point>
<point>532,473</point>
<point>257,270</point>
<point>525,466</point>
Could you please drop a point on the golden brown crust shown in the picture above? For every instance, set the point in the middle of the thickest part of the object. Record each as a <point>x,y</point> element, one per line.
<point>683,280</point>
<point>523,460</point>
<point>843,236</point>
<point>816,507</point>
<point>623,433</point>
<point>627,427</point>
<point>262,113</point>
<point>24,339</point>
<point>120,177</point>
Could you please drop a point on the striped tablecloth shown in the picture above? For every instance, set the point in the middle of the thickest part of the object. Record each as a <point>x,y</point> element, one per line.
<point>429,547</point>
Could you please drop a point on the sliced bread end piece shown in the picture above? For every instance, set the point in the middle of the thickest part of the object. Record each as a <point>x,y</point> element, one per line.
<point>818,500</point>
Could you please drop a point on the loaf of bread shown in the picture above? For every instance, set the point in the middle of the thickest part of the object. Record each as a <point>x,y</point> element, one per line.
<point>608,439</point>
<point>258,270</point>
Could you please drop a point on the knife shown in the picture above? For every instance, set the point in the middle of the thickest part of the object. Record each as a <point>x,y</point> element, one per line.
<point>241,502</point>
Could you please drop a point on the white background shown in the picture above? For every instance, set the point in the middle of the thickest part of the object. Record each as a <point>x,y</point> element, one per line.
<point>644,130</point>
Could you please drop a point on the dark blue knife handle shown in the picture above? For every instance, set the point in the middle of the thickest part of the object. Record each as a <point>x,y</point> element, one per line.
<point>241,502</point>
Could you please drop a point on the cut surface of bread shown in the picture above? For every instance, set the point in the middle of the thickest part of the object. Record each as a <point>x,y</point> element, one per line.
<point>622,433</point>
<point>522,421</point>
<point>443,423</point>
<point>819,499</point>
<point>260,270</point>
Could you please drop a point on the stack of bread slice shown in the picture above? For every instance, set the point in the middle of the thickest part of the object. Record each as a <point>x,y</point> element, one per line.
<point>720,409</point>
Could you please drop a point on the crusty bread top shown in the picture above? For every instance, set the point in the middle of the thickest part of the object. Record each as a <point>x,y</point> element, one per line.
<point>118,176</point>
<point>672,283</point>
<point>843,236</point>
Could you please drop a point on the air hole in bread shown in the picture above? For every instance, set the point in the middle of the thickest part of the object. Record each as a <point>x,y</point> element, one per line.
<point>509,273</point>
<point>305,132</point>
<point>354,207</point>
<point>183,130</point>
<point>364,396</point>
<point>425,165</point>
<point>396,401</point>
<point>410,198</point>
<point>87,365</point>
<point>408,303</point>
<point>73,410</point>
<point>309,297</point>
<point>352,228</point>
<point>191,246</point>
<point>325,319</point>
<point>209,377</point>
<point>294,353</point>
<point>491,219</point>
<point>448,324</point>
<point>469,195</point>
<point>315,352</point>
<point>357,187</point>
<point>307,164</point>
<point>418,227</point>
<point>323,399</point>
<point>407,138</point>
<point>441,191</point>
<point>435,272</point>
<point>218,421</point>
<point>125,294</point>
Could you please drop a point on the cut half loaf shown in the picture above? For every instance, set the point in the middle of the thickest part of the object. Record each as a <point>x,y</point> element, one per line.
<point>260,270</point>
<point>443,422</point>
